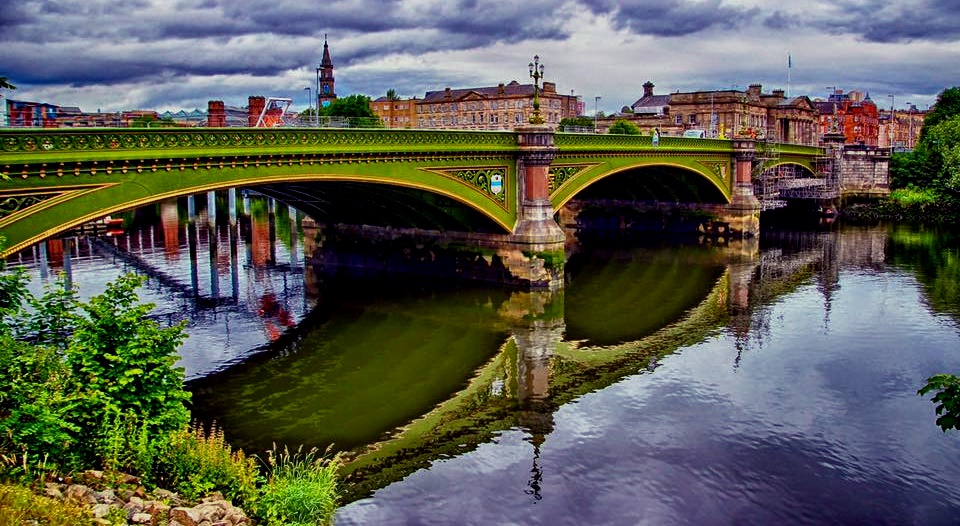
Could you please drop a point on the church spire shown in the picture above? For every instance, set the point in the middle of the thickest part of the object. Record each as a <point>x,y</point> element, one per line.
<point>326,63</point>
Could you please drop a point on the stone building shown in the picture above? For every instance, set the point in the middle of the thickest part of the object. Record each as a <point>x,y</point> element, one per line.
<point>500,107</point>
<point>726,114</point>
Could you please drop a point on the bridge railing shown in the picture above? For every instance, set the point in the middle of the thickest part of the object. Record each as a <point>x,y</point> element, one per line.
<point>77,145</point>
<point>608,142</point>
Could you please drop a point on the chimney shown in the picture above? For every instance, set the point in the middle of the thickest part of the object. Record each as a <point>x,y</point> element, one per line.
<point>216,114</point>
<point>754,90</point>
<point>255,106</point>
<point>648,89</point>
<point>778,93</point>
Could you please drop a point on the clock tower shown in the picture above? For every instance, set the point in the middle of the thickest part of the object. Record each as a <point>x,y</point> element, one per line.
<point>325,82</point>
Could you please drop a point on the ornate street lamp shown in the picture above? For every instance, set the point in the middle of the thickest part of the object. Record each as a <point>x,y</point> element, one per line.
<point>536,73</point>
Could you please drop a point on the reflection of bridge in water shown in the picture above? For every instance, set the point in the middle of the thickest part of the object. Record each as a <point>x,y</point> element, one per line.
<point>538,369</point>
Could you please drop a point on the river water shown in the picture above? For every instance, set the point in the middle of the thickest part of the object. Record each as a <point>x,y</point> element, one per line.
<point>668,383</point>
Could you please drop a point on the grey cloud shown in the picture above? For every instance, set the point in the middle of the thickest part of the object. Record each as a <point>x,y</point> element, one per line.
<point>671,18</point>
<point>888,21</point>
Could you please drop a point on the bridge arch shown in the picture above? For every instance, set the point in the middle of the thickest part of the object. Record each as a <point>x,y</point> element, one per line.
<point>462,192</point>
<point>676,181</point>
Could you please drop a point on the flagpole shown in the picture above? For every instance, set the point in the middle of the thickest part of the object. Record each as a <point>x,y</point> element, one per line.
<point>789,67</point>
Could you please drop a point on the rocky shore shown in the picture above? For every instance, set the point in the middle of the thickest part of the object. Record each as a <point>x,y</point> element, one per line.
<point>125,501</point>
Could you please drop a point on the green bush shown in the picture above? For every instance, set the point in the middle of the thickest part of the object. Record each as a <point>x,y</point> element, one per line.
<point>301,489</point>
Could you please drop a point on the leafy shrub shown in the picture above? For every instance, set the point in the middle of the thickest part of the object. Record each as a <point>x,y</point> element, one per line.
<point>301,489</point>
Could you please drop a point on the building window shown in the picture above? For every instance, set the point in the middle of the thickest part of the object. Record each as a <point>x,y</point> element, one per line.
<point>678,119</point>
<point>693,118</point>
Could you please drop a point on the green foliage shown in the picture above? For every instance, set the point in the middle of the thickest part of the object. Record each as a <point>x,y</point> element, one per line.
<point>623,127</point>
<point>72,372</point>
<point>19,505</point>
<point>196,463</point>
<point>912,196</point>
<point>581,121</point>
<point>941,146</point>
<point>351,106</point>
<point>947,398</point>
<point>5,83</point>
<point>301,489</point>
<point>149,121</point>
<point>552,259</point>
<point>946,107</point>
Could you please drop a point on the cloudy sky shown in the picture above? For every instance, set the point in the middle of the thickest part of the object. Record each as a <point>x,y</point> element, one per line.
<point>178,54</point>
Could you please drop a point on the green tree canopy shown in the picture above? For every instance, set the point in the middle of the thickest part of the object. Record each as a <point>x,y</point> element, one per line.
<point>581,121</point>
<point>350,106</point>
<point>5,84</point>
<point>947,106</point>
<point>623,127</point>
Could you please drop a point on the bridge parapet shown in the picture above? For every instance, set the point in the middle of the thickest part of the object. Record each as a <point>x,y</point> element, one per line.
<point>27,145</point>
<point>590,141</point>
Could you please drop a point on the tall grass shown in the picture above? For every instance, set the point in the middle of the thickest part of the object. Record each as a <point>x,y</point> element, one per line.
<point>301,488</point>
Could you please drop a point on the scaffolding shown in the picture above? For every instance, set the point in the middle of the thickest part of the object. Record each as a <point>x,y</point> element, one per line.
<point>774,186</point>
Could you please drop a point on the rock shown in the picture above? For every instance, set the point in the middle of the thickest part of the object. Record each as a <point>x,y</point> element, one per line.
<point>168,496</point>
<point>81,494</point>
<point>92,476</point>
<point>106,496</point>
<point>101,522</point>
<point>184,516</point>
<point>53,490</point>
<point>133,507</point>
<point>101,510</point>
<point>154,507</point>
<point>141,518</point>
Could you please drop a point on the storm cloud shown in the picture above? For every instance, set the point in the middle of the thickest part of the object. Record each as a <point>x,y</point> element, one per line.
<point>178,54</point>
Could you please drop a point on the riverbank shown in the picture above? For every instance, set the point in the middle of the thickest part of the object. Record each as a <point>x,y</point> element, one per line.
<point>904,206</point>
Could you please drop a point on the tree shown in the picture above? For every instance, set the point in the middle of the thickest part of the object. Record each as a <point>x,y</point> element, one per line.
<point>623,127</point>
<point>5,84</point>
<point>392,95</point>
<point>946,107</point>
<point>350,106</point>
<point>581,121</point>
<point>947,399</point>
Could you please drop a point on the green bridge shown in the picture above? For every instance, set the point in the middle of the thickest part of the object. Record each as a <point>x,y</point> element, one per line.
<point>505,185</point>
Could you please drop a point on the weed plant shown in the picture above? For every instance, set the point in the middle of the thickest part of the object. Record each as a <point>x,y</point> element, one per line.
<point>301,488</point>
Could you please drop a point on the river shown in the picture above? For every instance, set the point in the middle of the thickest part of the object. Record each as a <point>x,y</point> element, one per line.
<point>668,383</point>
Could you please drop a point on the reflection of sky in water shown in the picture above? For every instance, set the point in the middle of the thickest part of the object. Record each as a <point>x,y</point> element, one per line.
<point>817,423</point>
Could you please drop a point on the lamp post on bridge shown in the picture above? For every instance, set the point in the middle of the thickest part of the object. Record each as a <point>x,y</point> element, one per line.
<point>536,73</point>
<point>317,120</point>
<point>596,105</point>
<point>309,100</point>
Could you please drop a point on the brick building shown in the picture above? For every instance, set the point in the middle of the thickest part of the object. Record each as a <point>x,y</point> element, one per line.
<point>853,114</point>
<point>396,112</point>
<point>903,130</point>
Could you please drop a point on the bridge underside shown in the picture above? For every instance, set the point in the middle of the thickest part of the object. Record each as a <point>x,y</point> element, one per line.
<point>379,205</point>
<point>655,183</point>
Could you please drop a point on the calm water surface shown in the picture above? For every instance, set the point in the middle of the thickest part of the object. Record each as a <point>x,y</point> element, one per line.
<point>665,385</point>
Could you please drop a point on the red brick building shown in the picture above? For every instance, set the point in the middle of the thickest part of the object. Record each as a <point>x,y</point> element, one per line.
<point>853,114</point>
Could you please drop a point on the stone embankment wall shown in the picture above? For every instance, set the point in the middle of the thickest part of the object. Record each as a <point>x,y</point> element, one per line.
<point>864,172</point>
